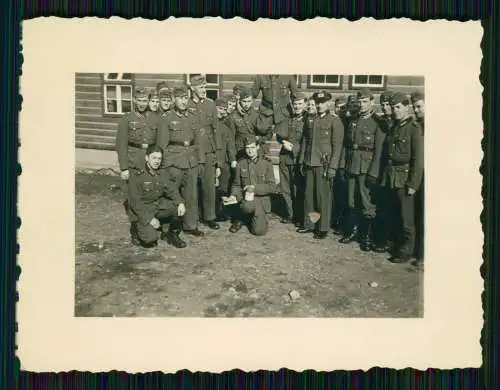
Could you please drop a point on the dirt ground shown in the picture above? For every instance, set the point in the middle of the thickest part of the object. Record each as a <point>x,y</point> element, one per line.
<point>227,275</point>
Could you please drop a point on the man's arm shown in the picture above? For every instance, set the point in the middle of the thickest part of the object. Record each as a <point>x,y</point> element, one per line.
<point>380,135</point>
<point>122,144</point>
<point>230,145</point>
<point>337,141</point>
<point>417,158</point>
<point>171,190</point>
<point>236,186</point>
<point>163,135</point>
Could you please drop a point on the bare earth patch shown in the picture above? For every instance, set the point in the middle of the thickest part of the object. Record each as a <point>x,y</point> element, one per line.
<point>227,275</point>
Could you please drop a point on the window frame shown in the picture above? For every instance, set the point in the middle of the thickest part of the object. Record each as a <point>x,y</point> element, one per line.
<point>325,85</point>
<point>118,83</point>
<point>209,86</point>
<point>353,85</point>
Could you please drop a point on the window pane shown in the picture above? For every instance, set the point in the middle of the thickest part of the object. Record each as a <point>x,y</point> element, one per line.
<point>361,79</point>
<point>213,93</point>
<point>376,80</point>
<point>126,105</point>
<point>110,92</point>
<point>111,106</point>
<point>212,78</point>
<point>126,93</point>
<point>332,78</point>
<point>318,78</point>
<point>127,76</point>
<point>111,76</point>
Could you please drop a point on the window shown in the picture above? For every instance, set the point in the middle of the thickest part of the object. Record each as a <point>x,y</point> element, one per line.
<point>213,84</point>
<point>117,93</point>
<point>324,80</point>
<point>371,81</point>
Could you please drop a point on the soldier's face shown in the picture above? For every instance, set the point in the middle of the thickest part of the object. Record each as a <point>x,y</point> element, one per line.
<point>231,105</point>
<point>251,150</point>
<point>181,102</point>
<point>165,103</point>
<point>246,103</point>
<point>221,112</point>
<point>322,106</point>
<point>299,106</point>
<point>399,111</point>
<point>200,91</point>
<point>153,104</point>
<point>154,160</point>
<point>141,103</point>
<point>386,108</point>
<point>365,104</point>
<point>311,107</point>
<point>419,109</point>
<point>338,108</point>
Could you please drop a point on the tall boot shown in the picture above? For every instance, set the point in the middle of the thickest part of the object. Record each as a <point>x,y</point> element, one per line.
<point>134,237</point>
<point>350,231</point>
<point>365,243</point>
<point>172,236</point>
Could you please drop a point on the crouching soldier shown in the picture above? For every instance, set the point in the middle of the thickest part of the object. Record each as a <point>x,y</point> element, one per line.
<point>154,199</point>
<point>253,184</point>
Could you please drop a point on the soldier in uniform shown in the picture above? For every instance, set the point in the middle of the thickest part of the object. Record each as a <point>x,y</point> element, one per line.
<point>165,95</point>
<point>339,106</point>
<point>254,183</point>
<point>179,137</point>
<point>207,114</point>
<point>135,133</point>
<point>274,109</point>
<point>244,121</point>
<point>320,152</point>
<point>154,199</point>
<point>418,101</point>
<point>231,104</point>
<point>402,173</point>
<point>291,181</point>
<point>226,155</point>
<point>358,158</point>
<point>340,184</point>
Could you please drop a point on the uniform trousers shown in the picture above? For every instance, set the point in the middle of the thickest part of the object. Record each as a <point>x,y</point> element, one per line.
<point>292,190</point>
<point>318,197</point>
<point>186,181</point>
<point>207,179</point>
<point>147,233</point>
<point>405,214</point>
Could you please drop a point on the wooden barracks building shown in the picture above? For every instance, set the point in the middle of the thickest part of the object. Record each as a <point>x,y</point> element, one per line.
<point>101,99</point>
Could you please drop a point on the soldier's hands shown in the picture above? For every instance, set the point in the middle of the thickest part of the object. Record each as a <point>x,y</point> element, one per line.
<point>330,173</point>
<point>124,175</point>
<point>217,172</point>
<point>155,223</point>
<point>181,209</point>
<point>342,174</point>
<point>301,170</point>
<point>234,164</point>
<point>410,191</point>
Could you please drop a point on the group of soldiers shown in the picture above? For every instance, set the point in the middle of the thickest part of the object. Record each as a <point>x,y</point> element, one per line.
<point>189,159</point>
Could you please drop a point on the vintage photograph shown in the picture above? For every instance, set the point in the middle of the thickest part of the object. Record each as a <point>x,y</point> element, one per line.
<point>242,195</point>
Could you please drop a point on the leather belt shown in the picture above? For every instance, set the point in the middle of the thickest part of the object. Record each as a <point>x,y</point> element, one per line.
<point>137,145</point>
<point>181,143</point>
<point>397,164</point>
<point>363,148</point>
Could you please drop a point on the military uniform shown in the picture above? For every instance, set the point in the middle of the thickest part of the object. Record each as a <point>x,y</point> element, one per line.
<point>178,136</point>
<point>320,152</point>
<point>226,153</point>
<point>245,124</point>
<point>136,131</point>
<point>291,181</point>
<point>259,173</point>
<point>152,194</point>
<point>403,169</point>
<point>357,160</point>
<point>207,117</point>
<point>274,107</point>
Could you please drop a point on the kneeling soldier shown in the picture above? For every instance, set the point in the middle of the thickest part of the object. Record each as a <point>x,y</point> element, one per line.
<point>154,198</point>
<point>253,184</point>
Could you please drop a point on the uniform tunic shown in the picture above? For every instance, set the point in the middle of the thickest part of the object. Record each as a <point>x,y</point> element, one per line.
<point>226,153</point>
<point>152,194</point>
<point>404,169</point>
<point>178,135</point>
<point>357,159</point>
<point>136,131</point>
<point>320,151</point>
<point>291,181</point>
<point>259,173</point>
<point>245,124</point>
<point>207,115</point>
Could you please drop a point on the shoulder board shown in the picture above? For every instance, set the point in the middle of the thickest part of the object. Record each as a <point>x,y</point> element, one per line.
<point>192,110</point>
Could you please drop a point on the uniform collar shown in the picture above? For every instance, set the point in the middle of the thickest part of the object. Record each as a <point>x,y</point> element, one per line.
<point>139,114</point>
<point>180,114</point>
<point>408,119</point>
<point>151,171</point>
<point>196,100</point>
